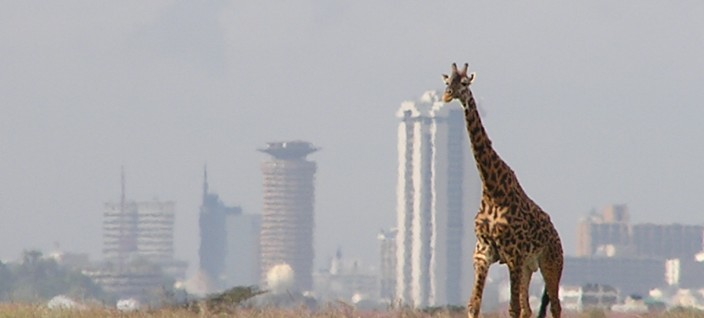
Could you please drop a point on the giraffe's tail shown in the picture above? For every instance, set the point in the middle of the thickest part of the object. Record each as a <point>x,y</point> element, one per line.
<point>544,303</point>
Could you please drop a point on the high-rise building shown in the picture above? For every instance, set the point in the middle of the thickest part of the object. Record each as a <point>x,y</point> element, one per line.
<point>155,241</point>
<point>135,232</point>
<point>635,257</point>
<point>119,231</point>
<point>607,234</point>
<point>610,234</point>
<point>213,236</point>
<point>229,243</point>
<point>242,257</point>
<point>143,229</point>
<point>120,227</point>
<point>387,268</point>
<point>438,192</point>
<point>288,216</point>
<point>668,240</point>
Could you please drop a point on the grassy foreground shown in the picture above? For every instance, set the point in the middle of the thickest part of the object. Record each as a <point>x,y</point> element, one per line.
<point>21,310</point>
<point>26,310</point>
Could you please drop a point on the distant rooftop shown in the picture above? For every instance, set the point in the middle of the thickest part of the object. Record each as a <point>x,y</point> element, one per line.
<point>429,105</point>
<point>289,149</point>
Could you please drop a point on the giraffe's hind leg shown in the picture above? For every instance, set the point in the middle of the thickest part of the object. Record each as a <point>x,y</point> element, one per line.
<point>551,268</point>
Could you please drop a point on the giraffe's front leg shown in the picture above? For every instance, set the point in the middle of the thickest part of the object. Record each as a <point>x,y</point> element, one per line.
<point>524,292</point>
<point>516,277</point>
<point>484,256</point>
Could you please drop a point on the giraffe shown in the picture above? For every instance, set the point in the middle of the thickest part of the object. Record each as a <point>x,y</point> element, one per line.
<point>509,226</point>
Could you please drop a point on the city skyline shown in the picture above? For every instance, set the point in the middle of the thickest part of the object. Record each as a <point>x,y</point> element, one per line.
<point>590,103</point>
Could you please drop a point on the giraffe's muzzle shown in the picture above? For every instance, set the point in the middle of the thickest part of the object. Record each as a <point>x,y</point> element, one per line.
<point>447,98</point>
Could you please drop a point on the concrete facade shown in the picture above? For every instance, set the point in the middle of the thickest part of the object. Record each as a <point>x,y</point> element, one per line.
<point>288,218</point>
<point>438,194</point>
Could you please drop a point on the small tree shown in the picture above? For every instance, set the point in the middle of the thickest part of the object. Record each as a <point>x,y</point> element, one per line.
<point>227,301</point>
<point>39,279</point>
<point>6,282</point>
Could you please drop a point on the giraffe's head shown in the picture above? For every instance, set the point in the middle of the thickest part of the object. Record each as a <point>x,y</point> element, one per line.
<point>457,83</point>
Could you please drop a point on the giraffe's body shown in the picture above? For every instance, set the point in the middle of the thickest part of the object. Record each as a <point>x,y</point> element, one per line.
<point>510,227</point>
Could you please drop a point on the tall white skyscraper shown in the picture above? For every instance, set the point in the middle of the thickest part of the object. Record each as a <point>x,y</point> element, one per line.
<point>438,194</point>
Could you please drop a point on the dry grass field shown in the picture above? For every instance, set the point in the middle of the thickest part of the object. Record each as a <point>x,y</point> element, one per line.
<point>15,310</point>
<point>24,310</point>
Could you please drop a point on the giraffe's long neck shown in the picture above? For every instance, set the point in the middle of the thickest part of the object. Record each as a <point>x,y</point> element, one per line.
<point>497,177</point>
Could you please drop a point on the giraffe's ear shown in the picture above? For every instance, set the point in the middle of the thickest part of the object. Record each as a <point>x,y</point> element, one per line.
<point>472,77</point>
<point>445,78</point>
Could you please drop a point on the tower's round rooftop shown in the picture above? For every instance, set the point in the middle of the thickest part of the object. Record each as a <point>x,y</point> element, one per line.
<point>289,149</point>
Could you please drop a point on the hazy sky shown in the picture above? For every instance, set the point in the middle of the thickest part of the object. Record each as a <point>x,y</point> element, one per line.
<point>590,102</point>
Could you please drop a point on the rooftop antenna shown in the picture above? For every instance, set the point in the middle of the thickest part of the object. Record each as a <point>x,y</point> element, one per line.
<point>205,181</point>
<point>122,189</point>
<point>122,240</point>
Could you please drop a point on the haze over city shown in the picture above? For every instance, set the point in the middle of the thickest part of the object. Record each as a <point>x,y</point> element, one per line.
<point>590,103</point>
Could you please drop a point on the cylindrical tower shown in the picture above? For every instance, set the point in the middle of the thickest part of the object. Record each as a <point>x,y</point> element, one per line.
<point>287,216</point>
